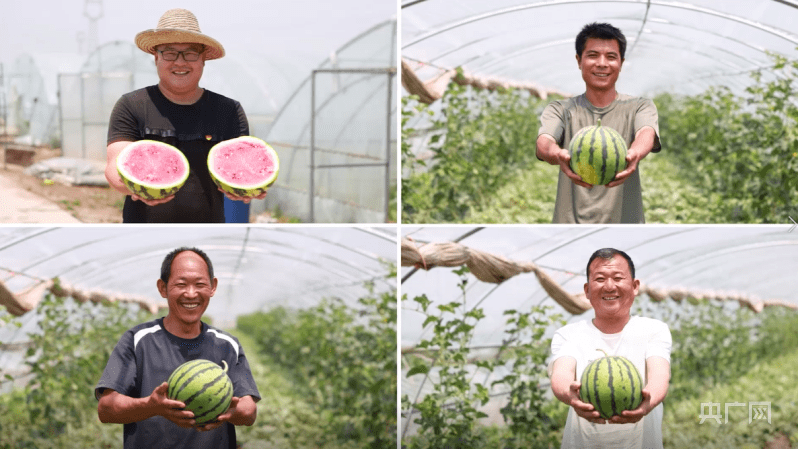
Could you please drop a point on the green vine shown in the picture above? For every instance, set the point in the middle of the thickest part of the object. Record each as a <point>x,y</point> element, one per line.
<point>480,140</point>
<point>447,416</point>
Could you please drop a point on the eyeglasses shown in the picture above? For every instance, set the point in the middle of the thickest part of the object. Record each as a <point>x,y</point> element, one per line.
<point>172,55</point>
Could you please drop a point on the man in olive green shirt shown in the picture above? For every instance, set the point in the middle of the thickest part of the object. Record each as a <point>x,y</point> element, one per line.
<point>600,50</point>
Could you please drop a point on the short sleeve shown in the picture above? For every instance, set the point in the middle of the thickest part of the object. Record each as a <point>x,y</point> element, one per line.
<point>120,372</point>
<point>241,375</point>
<point>243,123</point>
<point>660,343</point>
<point>561,347</point>
<point>123,124</point>
<point>552,122</point>
<point>646,115</point>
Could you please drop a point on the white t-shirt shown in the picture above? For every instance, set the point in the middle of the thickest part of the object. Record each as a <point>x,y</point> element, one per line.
<point>640,339</point>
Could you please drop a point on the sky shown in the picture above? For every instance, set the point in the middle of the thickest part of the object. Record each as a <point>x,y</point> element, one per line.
<point>304,31</point>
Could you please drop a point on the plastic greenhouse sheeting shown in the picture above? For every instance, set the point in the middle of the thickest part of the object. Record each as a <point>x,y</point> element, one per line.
<point>257,267</point>
<point>336,136</point>
<point>673,46</point>
<point>262,85</point>
<point>29,96</point>
<point>757,261</point>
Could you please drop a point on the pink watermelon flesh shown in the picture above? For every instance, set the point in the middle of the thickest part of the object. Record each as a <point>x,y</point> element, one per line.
<point>152,164</point>
<point>243,163</point>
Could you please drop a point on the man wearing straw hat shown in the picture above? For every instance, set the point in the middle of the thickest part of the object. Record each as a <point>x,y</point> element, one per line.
<point>611,289</point>
<point>178,112</point>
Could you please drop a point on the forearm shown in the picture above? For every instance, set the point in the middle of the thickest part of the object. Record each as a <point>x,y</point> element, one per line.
<point>643,142</point>
<point>111,173</point>
<point>658,377</point>
<point>562,376</point>
<point>117,408</point>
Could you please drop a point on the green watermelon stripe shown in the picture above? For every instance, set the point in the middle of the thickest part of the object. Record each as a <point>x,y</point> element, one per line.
<point>193,371</point>
<point>179,374</point>
<point>604,136</point>
<point>611,384</point>
<point>613,387</point>
<point>616,143</point>
<point>579,136</point>
<point>205,387</point>
<point>596,387</point>
<point>214,410</point>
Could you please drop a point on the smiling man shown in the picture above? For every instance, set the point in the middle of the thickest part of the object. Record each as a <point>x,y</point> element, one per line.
<point>611,289</point>
<point>179,112</point>
<point>132,390</point>
<point>600,52</point>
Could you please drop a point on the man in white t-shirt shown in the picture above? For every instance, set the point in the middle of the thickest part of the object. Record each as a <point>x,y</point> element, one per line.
<point>611,289</point>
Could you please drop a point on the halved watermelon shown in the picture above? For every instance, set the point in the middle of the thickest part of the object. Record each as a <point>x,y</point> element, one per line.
<point>245,166</point>
<point>152,169</point>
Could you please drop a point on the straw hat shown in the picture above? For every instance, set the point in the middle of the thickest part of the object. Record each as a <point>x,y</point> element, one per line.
<point>178,26</point>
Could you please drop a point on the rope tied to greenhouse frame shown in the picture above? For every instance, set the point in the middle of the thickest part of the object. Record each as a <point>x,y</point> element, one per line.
<point>21,302</point>
<point>487,267</point>
<point>496,269</point>
<point>430,91</point>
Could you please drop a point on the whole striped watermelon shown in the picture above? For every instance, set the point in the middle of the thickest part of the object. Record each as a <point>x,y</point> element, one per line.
<point>612,385</point>
<point>598,153</point>
<point>204,387</point>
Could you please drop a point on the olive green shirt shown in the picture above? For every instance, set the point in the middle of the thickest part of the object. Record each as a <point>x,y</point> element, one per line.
<point>626,114</point>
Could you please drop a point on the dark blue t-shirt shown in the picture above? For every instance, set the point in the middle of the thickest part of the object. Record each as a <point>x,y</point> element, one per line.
<point>145,357</point>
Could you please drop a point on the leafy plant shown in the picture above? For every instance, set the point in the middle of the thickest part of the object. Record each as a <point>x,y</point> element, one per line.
<point>447,415</point>
<point>741,147</point>
<point>480,140</point>
<point>343,361</point>
<point>66,357</point>
<point>714,344</point>
<point>526,351</point>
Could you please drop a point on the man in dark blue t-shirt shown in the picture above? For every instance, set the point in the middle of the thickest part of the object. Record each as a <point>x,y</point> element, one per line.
<point>132,390</point>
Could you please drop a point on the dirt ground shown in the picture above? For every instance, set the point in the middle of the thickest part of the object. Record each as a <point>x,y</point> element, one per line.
<point>89,204</point>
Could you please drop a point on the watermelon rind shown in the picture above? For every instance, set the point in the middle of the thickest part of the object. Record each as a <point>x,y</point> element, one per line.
<point>598,153</point>
<point>144,189</point>
<point>611,384</point>
<point>204,387</point>
<point>238,189</point>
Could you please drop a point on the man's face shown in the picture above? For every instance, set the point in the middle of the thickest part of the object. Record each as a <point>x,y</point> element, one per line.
<point>610,287</point>
<point>600,63</point>
<point>189,288</point>
<point>179,76</point>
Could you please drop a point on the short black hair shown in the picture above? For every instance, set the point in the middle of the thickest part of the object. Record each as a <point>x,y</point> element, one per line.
<point>609,253</point>
<point>600,31</point>
<point>166,266</point>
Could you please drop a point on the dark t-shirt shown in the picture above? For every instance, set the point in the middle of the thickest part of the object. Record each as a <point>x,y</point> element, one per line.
<point>145,357</point>
<point>147,114</point>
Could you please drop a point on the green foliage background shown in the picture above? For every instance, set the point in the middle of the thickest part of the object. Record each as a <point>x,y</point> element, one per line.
<point>721,353</point>
<point>335,387</point>
<point>727,157</point>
